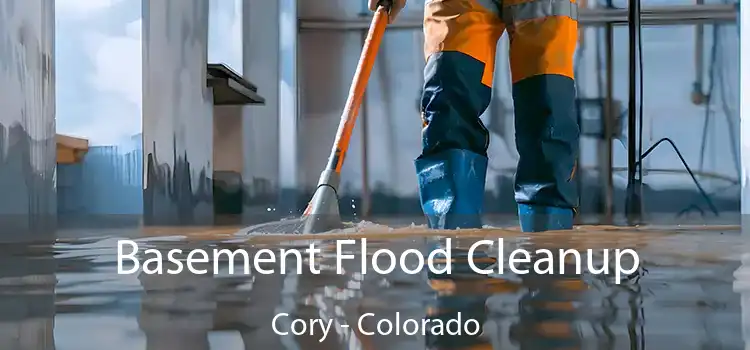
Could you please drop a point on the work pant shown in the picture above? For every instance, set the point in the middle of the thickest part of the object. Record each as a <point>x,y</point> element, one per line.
<point>460,43</point>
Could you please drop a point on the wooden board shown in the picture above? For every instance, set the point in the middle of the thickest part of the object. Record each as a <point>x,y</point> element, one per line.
<point>70,150</point>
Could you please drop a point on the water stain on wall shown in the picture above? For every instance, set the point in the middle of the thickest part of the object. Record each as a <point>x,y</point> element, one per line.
<point>169,197</point>
<point>27,120</point>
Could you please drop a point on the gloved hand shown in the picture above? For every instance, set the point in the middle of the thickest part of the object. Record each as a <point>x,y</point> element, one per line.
<point>396,7</point>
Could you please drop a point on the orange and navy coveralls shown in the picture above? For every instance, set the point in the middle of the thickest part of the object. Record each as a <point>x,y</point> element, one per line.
<point>460,44</point>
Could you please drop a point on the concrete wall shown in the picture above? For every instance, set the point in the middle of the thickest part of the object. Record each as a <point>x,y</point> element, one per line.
<point>290,129</point>
<point>744,78</point>
<point>177,113</point>
<point>27,172</point>
<point>270,158</point>
<point>103,103</point>
<point>742,275</point>
<point>227,150</point>
<point>228,159</point>
<point>27,118</point>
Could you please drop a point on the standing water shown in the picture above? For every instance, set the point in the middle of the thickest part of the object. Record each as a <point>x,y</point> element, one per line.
<point>69,294</point>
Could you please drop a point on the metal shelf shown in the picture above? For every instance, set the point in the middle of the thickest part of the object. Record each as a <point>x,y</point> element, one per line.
<point>229,88</point>
<point>656,15</point>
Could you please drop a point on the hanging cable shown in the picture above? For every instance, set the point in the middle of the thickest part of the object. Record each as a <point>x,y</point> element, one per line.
<point>703,193</point>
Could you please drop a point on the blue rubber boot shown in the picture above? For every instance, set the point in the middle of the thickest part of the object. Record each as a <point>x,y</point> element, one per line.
<point>536,218</point>
<point>451,188</point>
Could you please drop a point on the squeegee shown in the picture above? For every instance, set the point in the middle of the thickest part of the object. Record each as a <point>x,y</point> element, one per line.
<point>322,212</point>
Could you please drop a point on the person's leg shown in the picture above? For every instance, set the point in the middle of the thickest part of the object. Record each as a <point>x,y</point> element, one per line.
<point>460,42</point>
<point>544,35</point>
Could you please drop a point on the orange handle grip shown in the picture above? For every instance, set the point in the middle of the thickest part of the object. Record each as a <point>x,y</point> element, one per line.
<point>357,90</point>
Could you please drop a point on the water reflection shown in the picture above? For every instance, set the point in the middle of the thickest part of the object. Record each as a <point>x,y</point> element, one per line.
<point>548,311</point>
<point>684,301</point>
<point>27,297</point>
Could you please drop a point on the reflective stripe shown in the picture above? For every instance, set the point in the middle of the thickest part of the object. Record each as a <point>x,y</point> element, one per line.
<point>539,9</point>
<point>492,6</point>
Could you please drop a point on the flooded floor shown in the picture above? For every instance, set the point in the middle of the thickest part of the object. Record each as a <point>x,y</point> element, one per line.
<point>69,296</point>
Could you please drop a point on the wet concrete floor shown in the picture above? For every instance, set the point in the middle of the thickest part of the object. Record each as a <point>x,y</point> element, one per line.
<point>67,295</point>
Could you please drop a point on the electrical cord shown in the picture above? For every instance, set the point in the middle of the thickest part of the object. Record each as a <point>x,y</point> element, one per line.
<point>687,168</point>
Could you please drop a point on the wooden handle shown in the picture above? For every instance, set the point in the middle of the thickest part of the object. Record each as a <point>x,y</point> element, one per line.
<point>357,90</point>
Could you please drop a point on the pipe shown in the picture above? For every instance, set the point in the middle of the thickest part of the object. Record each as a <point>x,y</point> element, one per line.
<point>366,195</point>
<point>609,118</point>
<point>652,15</point>
<point>366,198</point>
<point>743,17</point>
<point>698,97</point>
<point>634,199</point>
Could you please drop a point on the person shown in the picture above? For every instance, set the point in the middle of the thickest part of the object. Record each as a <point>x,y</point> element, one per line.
<point>460,44</point>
